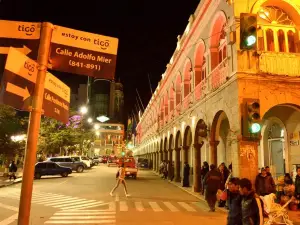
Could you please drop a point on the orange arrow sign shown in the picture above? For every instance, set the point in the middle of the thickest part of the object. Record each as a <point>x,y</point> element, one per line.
<point>23,92</point>
<point>24,49</point>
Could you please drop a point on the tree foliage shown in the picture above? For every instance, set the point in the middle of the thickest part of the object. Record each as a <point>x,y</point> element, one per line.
<point>10,125</point>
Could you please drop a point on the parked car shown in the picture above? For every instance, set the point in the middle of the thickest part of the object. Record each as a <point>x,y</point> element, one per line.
<point>83,159</point>
<point>112,161</point>
<point>96,160</point>
<point>50,168</point>
<point>104,159</point>
<point>143,163</point>
<point>67,161</point>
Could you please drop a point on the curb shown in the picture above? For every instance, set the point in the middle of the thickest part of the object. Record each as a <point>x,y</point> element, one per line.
<point>194,194</point>
<point>10,184</point>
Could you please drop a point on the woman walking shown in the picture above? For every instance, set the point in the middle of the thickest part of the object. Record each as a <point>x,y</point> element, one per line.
<point>120,179</point>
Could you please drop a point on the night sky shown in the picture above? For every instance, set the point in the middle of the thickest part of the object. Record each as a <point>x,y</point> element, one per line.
<point>147,32</point>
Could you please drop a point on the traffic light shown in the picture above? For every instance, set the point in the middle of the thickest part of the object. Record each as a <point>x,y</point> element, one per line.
<point>123,153</point>
<point>251,118</point>
<point>248,31</point>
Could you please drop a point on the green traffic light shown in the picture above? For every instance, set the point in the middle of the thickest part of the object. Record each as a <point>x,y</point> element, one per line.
<point>251,40</point>
<point>255,128</point>
<point>123,153</point>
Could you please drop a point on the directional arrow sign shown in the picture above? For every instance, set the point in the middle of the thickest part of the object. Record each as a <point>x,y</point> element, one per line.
<point>18,80</point>
<point>22,35</point>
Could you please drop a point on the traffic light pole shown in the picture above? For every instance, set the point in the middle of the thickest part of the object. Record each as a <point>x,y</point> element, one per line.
<point>34,125</point>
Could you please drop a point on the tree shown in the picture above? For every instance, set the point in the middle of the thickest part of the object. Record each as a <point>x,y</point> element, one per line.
<point>10,125</point>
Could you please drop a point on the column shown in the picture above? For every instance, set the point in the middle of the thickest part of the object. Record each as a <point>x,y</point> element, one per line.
<point>248,160</point>
<point>213,152</point>
<point>197,167</point>
<point>177,165</point>
<point>166,155</point>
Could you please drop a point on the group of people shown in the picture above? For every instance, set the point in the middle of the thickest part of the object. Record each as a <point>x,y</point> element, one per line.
<point>166,169</point>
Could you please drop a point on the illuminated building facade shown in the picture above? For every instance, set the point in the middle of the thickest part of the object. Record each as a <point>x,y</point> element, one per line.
<point>209,79</point>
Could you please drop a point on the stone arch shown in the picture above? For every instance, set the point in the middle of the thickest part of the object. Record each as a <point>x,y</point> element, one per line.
<point>216,35</point>
<point>187,143</point>
<point>200,72</point>
<point>172,97</point>
<point>287,5</point>
<point>220,139</point>
<point>280,150</point>
<point>178,89</point>
<point>187,78</point>
<point>171,142</point>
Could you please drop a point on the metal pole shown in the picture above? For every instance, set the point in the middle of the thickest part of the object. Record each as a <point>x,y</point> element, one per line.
<point>34,125</point>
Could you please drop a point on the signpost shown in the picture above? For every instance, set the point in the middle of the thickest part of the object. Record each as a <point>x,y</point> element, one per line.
<point>83,53</point>
<point>18,81</point>
<point>22,35</point>
<point>56,102</point>
<point>26,84</point>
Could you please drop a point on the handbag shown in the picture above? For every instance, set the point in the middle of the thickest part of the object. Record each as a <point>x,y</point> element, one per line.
<point>223,196</point>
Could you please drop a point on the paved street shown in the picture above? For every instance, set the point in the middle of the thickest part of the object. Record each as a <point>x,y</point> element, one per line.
<point>84,199</point>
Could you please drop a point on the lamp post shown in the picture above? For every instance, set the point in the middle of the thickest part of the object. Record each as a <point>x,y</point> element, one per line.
<point>83,110</point>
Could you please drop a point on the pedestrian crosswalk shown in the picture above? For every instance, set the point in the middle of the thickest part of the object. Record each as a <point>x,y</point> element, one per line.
<point>151,206</point>
<point>83,217</point>
<point>62,202</point>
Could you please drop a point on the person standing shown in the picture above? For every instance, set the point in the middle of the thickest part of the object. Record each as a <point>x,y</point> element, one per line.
<point>234,202</point>
<point>264,183</point>
<point>204,171</point>
<point>12,170</point>
<point>212,183</point>
<point>120,179</point>
<point>186,175</point>
<point>252,207</point>
<point>297,184</point>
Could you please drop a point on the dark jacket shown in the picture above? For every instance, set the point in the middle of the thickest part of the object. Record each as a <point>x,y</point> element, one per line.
<point>13,168</point>
<point>224,176</point>
<point>297,186</point>
<point>204,171</point>
<point>212,180</point>
<point>264,185</point>
<point>252,210</point>
<point>235,208</point>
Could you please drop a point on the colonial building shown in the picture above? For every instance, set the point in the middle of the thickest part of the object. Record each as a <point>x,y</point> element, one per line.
<point>207,81</point>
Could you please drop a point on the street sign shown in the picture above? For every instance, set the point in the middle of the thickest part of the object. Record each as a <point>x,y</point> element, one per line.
<point>22,35</point>
<point>83,53</point>
<point>56,99</point>
<point>18,80</point>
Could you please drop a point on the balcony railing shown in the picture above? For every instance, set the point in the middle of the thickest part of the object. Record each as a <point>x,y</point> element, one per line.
<point>219,75</point>
<point>200,89</point>
<point>187,101</point>
<point>280,63</point>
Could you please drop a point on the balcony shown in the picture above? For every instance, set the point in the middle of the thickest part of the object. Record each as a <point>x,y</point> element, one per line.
<point>279,63</point>
<point>200,89</point>
<point>187,101</point>
<point>219,75</point>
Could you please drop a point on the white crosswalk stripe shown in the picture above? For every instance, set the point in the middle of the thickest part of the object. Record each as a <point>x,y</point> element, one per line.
<point>59,201</point>
<point>83,217</point>
<point>124,206</point>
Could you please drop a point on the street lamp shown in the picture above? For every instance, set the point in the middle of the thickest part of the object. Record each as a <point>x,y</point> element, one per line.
<point>102,119</point>
<point>97,133</point>
<point>97,126</point>
<point>83,110</point>
<point>90,120</point>
<point>18,138</point>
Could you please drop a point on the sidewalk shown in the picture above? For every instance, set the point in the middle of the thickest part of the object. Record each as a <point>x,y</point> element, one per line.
<point>293,215</point>
<point>4,180</point>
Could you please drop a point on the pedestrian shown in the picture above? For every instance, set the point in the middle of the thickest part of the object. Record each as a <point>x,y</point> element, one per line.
<point>268,171</point>
<point>225,173</point>
<point>212,183</point>
<point>120,179</point>
<point>186,175</point>
<point>264,183</point>
<point>170,171</point>
<point>12,170</point>
<point>165,170</point>
<point>252,207</point>
<point>227,182</point>
<point>234,202</point>
<point>204,171</point>
<point>297,184</point>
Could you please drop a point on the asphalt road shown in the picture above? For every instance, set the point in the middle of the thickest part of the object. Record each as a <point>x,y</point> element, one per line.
<point>84,199</point>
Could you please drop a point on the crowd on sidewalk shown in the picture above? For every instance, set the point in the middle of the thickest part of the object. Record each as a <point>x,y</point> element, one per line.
<point>243,199</point>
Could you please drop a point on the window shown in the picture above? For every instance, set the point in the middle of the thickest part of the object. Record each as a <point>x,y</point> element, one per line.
<point>270,40</point>
<point>51,166</point>
<point>76,159</point>
<point>68,160</point>
<point>291,41</point>
<point>281,41</point>
<point>41,165</point>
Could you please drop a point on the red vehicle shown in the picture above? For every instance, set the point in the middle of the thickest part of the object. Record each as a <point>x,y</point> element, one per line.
<point>112,160</point>
<point>131,169</point>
